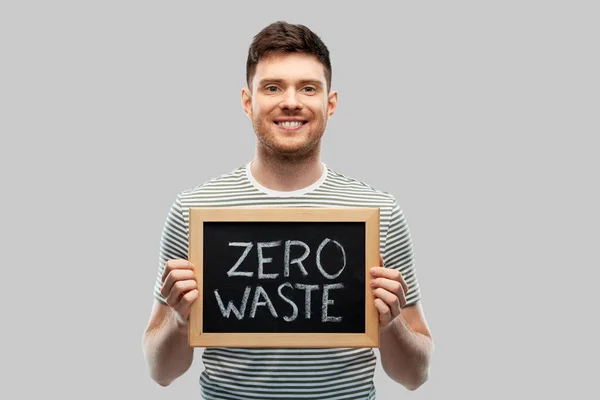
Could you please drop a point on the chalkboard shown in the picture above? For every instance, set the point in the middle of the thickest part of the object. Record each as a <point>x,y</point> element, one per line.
<point>284,277</point>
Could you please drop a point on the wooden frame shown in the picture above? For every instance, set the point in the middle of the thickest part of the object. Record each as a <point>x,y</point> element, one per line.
<point>370,216</point>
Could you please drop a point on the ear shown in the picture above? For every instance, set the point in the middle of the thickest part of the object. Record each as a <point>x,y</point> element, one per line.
<point>332,103</point>
<point>247,102</point>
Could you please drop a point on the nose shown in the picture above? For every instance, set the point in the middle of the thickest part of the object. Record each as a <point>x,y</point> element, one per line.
<point>290,101</point>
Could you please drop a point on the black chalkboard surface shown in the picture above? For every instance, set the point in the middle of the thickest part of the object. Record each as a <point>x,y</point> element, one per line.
<point>275,277</point>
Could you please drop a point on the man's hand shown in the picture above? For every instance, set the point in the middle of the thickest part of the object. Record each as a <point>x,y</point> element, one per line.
<point>179,288</point>
<point>389,290</point>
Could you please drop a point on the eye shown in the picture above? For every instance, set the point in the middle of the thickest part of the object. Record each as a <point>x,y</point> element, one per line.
<point>310,89</point>
<point>271,89</point>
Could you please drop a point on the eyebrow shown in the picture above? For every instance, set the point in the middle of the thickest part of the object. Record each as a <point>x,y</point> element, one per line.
<point>314,82</point>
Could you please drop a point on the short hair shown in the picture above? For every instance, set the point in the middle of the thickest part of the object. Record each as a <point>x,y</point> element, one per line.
<point>283,38</point>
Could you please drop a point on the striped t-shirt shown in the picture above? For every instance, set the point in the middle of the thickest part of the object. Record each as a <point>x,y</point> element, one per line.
<point>256,373</point>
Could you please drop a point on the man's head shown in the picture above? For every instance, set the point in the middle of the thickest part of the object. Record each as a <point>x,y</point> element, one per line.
<point>289,96</point>
<point>281,37</point>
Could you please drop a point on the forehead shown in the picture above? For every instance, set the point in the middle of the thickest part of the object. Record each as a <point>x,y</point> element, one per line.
<point>290,67</point>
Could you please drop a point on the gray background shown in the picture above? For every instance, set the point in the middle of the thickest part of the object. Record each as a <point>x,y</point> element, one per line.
<point>480,117</point>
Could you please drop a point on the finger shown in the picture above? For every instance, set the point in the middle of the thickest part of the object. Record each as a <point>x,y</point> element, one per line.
<point>184,307</point>
<point>172,265</point>
<point>175,276</point>
<point>385,315</point>
<point>389,273</point>
<point>391,286</point>
<point>180,288</point>
<point>390,299</point>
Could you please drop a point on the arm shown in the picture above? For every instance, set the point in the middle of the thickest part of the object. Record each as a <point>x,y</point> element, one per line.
<point>165,339</point>
<point>406,347</point>
<point>165,345</point>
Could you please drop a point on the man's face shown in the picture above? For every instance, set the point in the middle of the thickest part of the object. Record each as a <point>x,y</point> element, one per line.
<point>289,105</point>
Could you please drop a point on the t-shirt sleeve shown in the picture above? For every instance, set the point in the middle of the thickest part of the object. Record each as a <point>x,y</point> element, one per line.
<point>398,253</point>
<point>173,243</point>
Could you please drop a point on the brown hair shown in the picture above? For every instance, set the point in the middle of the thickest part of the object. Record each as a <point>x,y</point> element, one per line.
<point>282,37</point>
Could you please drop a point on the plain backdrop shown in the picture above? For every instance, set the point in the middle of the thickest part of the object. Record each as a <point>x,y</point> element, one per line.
<point>482,118</point>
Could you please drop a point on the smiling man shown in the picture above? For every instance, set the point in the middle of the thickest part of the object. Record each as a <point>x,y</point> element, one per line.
<point>289,100</point>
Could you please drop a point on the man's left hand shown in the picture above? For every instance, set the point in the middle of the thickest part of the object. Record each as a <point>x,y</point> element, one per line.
<point>389,290</point>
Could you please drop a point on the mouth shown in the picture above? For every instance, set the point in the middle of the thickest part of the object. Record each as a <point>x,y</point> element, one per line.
<point>290,125</point>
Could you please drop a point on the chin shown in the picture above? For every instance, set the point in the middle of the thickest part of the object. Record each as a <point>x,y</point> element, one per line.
<point>293,152</point>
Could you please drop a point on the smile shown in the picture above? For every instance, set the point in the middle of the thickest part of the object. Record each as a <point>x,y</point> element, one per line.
<point>290,124</point>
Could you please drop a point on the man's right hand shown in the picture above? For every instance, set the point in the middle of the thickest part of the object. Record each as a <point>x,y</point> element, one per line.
<point>179,288</point>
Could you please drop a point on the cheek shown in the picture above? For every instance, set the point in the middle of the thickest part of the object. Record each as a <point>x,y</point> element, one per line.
<point>320,110</point>
<point>320,113</point>
<point>261,111</point>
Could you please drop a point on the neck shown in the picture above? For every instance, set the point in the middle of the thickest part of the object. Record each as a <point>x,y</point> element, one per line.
<point>286,174</point>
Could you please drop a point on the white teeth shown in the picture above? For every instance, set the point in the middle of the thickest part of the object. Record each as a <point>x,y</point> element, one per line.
<point>290,124</point>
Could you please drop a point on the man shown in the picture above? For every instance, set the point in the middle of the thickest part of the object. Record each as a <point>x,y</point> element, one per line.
<point>289,100</point>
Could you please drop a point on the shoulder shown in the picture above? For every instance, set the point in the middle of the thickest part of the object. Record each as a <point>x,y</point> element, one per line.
<point>350,186</point>
<point>233,180</point>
